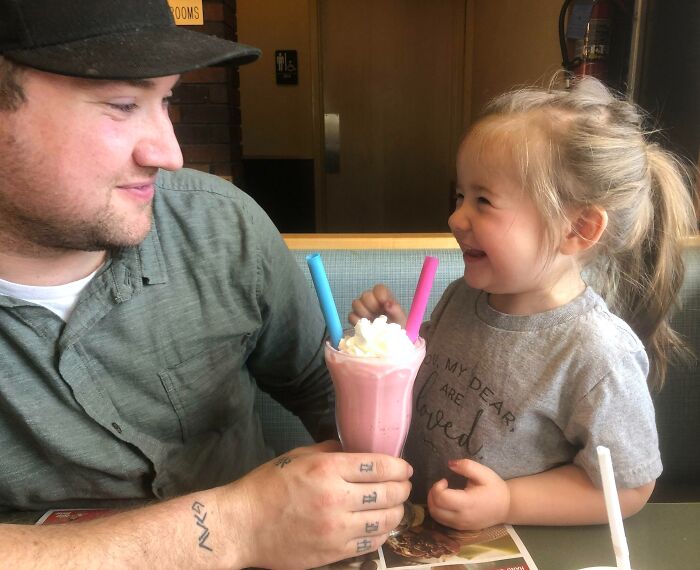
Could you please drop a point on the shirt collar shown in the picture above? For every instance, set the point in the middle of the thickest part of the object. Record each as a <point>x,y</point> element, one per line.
<point>133,268</point>
<point>153,270</point>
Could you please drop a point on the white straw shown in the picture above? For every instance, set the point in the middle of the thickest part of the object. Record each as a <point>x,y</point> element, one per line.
<point>612,506</point>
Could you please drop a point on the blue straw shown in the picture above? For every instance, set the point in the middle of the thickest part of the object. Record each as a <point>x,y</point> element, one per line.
<point>325,298</point>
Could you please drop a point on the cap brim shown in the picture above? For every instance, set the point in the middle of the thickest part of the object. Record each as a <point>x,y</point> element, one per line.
<point>137,54</point>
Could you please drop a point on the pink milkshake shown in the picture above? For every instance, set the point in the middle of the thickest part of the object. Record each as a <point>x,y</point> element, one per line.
<point>373,374</point>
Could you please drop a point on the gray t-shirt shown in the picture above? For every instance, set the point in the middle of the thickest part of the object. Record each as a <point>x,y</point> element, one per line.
<point>148,390</point>
<point>524,394</point>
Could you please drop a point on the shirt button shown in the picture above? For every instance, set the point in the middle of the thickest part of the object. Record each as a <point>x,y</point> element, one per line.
<point>116,427</point>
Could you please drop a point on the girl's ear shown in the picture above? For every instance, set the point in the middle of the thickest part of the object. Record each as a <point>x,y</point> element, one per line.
<point>586,227</point>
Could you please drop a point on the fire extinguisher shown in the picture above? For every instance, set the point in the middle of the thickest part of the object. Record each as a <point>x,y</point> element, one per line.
<point>589,37</point>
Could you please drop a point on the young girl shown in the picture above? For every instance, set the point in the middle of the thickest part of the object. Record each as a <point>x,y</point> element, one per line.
<point>533,362</point>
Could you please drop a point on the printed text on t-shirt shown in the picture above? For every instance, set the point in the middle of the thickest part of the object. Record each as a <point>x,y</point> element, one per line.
<point>456,394</point>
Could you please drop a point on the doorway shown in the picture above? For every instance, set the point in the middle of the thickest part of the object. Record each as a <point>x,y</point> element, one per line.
<point>392,82</point>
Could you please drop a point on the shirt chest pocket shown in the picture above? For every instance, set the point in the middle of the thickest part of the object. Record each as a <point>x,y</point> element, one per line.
<point>208,389</point>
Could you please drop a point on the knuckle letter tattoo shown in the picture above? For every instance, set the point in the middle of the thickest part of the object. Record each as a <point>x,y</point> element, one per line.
<point>364,545</point>
<point>371,527</point>
<point>366,467</point>
<point>372,498</point>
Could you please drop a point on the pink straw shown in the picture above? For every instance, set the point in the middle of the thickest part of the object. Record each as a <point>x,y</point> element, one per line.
<point>420,299</point>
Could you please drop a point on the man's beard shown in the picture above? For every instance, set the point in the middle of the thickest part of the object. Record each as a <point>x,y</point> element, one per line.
<point>107,232</point>
<point>29,226</point>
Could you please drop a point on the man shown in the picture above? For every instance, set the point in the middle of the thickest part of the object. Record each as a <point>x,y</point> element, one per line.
<point>139,303</point>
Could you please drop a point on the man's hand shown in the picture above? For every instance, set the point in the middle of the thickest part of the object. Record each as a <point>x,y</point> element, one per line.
<point>484,502</point>
<point>307,508</point>
<point>374,302</point>
<point>313,506</point>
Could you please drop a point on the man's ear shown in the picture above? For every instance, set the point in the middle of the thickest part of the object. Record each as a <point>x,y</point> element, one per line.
<point>586,227</point>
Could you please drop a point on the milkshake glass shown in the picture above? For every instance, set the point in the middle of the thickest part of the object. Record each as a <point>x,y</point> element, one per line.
<point>373,402</point>
<point>373,398</point>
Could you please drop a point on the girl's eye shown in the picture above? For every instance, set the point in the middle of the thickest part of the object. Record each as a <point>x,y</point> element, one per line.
<point>483,201</point>
<point>123,107</point>
<point>459,198</point>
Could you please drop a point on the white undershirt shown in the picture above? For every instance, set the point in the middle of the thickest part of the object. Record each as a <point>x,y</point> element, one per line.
<point>59,299</point>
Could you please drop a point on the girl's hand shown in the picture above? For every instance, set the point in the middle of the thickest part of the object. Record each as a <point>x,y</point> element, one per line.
<point>374,302</point>
<point>484,502</point>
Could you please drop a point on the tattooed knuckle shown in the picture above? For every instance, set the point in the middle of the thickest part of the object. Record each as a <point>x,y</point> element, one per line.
<point>322,468</point>
<point>399,513</point>
<point>365,544</point>
<point>327,499</point>
<point>325,527</point>
<point>379,468</point>
<point>370,497</point>
<point>367,467</point>
<point>374,526</point>
<point>404,490</point>
<point>331,528</point>
<point>391,519</point>
<point>393,494</point>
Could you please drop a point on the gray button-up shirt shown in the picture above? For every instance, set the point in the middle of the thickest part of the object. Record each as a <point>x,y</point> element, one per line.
<point>147,391</point>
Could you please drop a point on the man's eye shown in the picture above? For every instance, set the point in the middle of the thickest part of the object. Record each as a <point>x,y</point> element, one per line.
<point>124,107</point>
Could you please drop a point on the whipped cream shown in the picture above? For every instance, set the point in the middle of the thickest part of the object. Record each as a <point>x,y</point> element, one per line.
<point>376,338</point>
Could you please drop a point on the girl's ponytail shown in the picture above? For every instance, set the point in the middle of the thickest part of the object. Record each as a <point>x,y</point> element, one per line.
<point>660,263</point>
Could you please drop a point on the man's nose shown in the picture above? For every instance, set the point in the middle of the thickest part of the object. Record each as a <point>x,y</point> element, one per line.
<point>158,146</point>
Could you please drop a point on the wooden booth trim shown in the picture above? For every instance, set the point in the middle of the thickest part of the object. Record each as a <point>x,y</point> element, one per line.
<point>371,241</point>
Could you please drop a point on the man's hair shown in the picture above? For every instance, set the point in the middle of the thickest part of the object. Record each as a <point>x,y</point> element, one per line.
<point>11,91</point>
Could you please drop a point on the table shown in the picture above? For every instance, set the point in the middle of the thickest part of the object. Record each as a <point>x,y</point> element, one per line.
<point>663,536</point>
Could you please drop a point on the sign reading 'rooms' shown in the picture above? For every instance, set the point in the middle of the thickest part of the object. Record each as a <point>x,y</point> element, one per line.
<point>187,12</point>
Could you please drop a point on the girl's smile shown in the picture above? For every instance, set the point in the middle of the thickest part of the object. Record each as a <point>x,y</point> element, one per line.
<point>473,255</point>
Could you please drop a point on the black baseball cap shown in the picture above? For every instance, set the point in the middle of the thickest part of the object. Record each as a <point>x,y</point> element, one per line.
<point>108,39</point>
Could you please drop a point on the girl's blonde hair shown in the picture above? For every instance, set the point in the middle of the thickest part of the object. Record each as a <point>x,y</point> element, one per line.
<point>583,147</point>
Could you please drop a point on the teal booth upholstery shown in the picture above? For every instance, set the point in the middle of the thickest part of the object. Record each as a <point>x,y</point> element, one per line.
<point>678,403</point>
<point>351,271</point>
